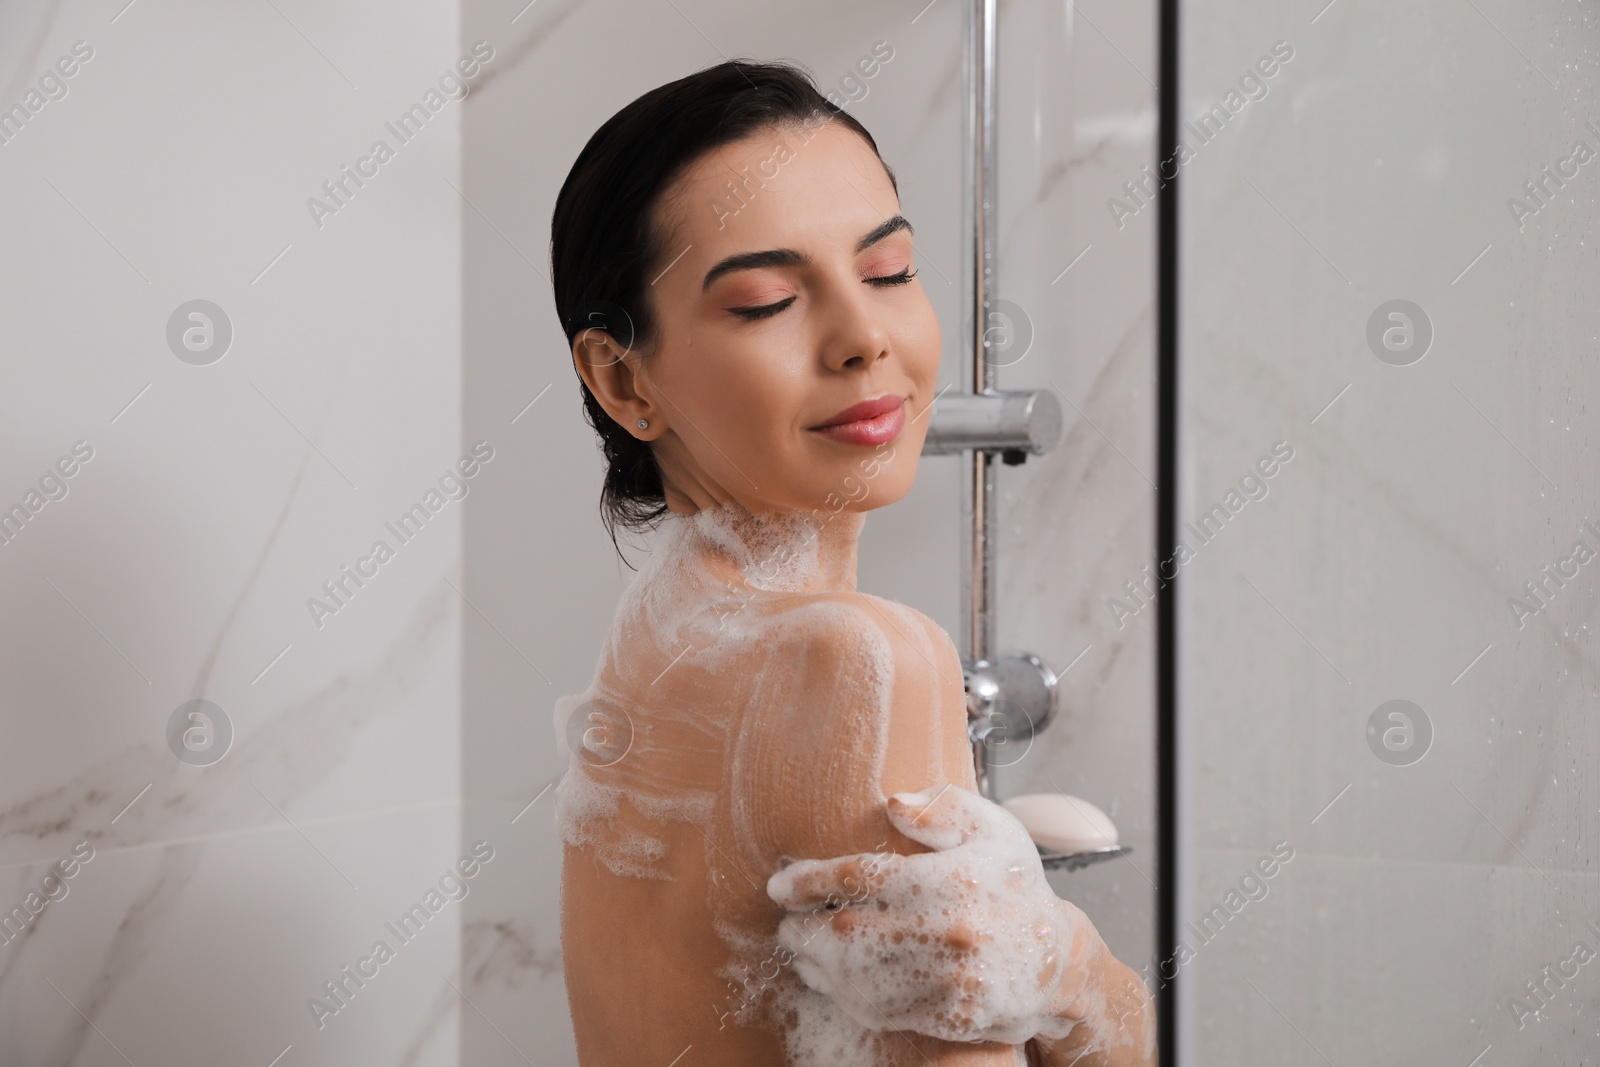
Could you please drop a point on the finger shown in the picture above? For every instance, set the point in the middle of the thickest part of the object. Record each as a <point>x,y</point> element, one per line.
<point>837,882</point>
<point>797,938</point>
<point>828,938</point>
<point>944,818</point>
<point>809,938</point>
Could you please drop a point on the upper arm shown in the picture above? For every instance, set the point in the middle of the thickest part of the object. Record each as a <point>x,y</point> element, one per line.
<point>869,702</point>
<point>928,740</point>
<point>857,699</point>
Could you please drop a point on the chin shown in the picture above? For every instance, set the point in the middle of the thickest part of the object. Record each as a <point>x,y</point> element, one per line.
<point>888,487</point>
<point>873,503</point>
<point>864,481</point>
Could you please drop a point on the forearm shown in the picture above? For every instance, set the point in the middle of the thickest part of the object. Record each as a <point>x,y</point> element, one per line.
<point>1111,1009</point>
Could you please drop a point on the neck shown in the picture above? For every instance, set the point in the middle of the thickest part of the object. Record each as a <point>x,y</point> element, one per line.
<point>777,550</point>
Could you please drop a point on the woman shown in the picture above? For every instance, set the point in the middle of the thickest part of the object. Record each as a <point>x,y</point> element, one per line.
<point>746,879</point>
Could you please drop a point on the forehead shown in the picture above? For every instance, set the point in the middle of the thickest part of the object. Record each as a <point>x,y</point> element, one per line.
<point>790,186</point>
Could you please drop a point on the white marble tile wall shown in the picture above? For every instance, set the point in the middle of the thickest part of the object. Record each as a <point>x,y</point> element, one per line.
<point>1389,159</point>
<point>184,493</point>
<point>1078,120</point>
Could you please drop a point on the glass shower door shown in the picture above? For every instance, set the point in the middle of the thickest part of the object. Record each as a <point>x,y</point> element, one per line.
<point>1387,542</point>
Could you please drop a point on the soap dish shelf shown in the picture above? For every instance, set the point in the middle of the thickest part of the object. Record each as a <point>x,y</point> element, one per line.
<point>1057,861</point>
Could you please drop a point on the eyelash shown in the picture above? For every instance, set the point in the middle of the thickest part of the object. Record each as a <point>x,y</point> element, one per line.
<point>768,310</point>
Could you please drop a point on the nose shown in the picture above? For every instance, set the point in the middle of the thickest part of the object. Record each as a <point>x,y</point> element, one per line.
<point>857,336</point>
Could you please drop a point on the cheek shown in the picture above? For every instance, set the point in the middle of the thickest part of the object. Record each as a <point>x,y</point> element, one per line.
<point>746,398</point>
<point>922,343</point>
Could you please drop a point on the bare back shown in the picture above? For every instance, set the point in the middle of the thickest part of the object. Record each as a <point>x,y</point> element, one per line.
<point>733,722</point>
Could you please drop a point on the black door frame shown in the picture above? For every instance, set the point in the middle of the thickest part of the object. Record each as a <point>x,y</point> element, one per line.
<point>1169,1003</point>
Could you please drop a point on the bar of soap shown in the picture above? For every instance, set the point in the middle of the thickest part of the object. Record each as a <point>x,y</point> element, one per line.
<point>1061,823</point>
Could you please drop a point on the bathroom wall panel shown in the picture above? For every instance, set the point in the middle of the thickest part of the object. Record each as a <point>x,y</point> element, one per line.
<point>1451,985</point>
<point>206,951</point>
<point>175,163</point>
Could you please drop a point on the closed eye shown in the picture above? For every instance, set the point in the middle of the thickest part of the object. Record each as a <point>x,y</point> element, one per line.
<point>768,310</point>
<point>893,279</point>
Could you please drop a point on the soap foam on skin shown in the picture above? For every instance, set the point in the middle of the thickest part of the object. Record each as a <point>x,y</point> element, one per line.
<point>703,728</point>
<point>674,700</point>
<point>688,666</point>
<point>967,943</point>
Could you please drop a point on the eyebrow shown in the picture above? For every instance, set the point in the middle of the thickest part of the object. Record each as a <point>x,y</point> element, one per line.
<point>788,257</point>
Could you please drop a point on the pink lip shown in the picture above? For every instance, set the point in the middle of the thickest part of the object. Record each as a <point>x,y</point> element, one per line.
<point>871,422</point>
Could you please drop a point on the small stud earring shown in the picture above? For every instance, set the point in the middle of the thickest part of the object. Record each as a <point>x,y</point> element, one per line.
<point>644,424</point>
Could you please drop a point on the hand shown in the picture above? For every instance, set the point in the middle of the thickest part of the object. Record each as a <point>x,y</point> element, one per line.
<point>966,943</point>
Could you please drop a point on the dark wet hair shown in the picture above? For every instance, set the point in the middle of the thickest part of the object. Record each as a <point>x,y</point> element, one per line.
<point>605,240</point>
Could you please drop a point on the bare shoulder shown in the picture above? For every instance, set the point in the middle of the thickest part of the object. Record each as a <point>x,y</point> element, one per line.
<point>829,629</point>
<point>929,744</point>
<point>856,698</point>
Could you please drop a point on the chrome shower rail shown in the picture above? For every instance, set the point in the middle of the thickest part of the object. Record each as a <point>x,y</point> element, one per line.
<point>979,155</point>
<point>1010,697</point>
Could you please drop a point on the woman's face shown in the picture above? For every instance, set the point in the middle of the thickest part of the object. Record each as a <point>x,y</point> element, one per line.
<point>776,313</point>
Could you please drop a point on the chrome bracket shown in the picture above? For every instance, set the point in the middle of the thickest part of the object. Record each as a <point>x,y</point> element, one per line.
<point>1017,423</point>
<point>1008,702</point>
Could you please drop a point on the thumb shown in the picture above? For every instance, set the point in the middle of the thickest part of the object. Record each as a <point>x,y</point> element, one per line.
<point>940,819</point>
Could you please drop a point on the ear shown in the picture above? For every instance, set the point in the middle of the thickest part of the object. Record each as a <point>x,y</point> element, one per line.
<point>612,374</point>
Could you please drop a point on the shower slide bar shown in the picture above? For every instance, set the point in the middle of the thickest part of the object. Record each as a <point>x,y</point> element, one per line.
<point>1010,697</point>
